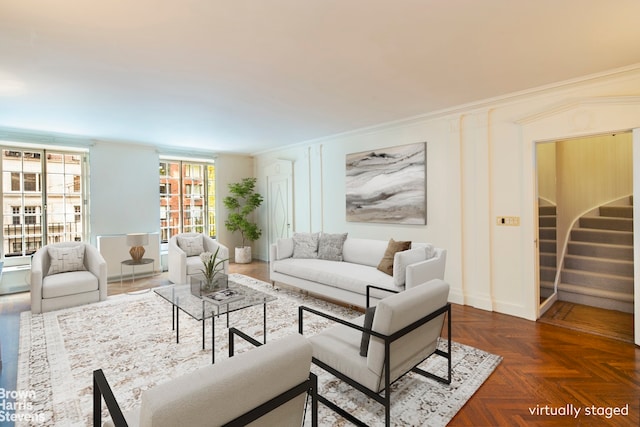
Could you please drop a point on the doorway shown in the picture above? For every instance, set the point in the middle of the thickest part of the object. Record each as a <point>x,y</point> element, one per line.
<point>280,206</point>
<point>585,233</point>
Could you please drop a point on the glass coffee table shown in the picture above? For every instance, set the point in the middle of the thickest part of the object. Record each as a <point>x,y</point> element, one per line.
<point>202,308</point>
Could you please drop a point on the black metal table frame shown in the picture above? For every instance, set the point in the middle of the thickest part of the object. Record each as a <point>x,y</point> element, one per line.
<point>175,323</point>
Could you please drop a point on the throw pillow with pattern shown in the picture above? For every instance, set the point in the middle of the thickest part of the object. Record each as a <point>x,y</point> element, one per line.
<point>65,259</point>
<point>305,245</point>
<point>191,245</point>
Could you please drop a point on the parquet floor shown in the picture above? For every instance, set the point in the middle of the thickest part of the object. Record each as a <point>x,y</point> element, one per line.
<point>582,318</point>
<point>545,368</point>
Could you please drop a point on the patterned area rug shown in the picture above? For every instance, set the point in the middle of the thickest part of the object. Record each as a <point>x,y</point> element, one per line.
<point>130,338</point>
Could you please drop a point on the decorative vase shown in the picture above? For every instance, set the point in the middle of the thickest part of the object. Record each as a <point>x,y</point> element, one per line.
<point>243,255</point>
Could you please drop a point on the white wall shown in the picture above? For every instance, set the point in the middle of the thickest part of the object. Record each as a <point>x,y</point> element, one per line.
<point>480,165</point>
<point>231,168</point>
<point>123,189</point>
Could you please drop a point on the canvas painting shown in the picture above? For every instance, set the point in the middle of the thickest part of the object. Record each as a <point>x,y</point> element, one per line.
<point>387,185</point>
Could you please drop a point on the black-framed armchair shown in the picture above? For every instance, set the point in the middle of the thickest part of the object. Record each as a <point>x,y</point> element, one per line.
<point>265,386</point>
<point>403,331</point>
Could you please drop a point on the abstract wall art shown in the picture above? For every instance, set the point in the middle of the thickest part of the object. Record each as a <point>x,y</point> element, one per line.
<point>387,185</point>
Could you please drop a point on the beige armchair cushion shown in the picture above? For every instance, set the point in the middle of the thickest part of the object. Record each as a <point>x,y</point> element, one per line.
<point>216,394</point>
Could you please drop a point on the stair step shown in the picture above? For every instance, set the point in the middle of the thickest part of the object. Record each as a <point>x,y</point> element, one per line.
<point>596,298</point>
<point>548,260</point>
<point>619,211</point>
<point>607,223</point>
<point>601,250</point>
<point>599,265</point>
<point>602,236</point>
<point>547,233</point>
<point>547,274</point>
<point>546,221</point>
<point>546,210</point>
<point>548,246</point>
<point>546,289</point>
<point>603,281</point>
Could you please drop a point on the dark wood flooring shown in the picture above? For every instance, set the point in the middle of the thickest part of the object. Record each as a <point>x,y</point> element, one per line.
<point>545,368</point>
<point>582,318</point>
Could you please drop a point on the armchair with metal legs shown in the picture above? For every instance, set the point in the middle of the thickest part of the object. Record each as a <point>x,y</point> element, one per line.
<point>404,332</point>
<point>265,386</point>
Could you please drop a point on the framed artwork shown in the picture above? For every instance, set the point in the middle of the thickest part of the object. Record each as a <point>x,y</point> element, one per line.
<point>387,185</point>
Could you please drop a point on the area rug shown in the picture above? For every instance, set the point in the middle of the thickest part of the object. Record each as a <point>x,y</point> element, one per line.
<point>130,338</point>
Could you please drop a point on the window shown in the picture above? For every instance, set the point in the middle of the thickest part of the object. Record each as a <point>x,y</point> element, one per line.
<point>187,198</point>
<point>43,195</point>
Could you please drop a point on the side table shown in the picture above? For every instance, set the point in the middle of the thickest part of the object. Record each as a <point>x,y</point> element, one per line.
<point>131,263</point>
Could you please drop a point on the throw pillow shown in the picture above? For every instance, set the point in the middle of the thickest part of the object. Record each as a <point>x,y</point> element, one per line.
<point>191,245</point>
<point>66,259</point>
<point>386,263</point>
<point>402,259</point>
<point>284,248</point>
<point>368,323</point>
<point>305,245</point>
<point>330,246</point>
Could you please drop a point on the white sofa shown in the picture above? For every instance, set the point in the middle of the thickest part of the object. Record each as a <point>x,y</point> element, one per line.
<point>184,255</point>
<point>346,280</point>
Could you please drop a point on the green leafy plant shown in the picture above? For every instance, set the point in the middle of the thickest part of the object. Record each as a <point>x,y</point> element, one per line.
<point>212,265</point>
<point>241,203</point>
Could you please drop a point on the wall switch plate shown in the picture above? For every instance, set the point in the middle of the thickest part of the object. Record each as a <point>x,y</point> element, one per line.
<point>508,220</point>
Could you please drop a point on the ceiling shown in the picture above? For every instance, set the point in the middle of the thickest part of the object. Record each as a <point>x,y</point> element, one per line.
<point>245,76</point>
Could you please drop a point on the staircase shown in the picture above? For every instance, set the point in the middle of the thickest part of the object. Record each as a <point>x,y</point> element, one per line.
<point>548,249</point>
<point>598,266</point>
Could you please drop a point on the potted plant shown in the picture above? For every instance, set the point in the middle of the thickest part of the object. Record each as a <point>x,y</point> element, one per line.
<point>242,201</point>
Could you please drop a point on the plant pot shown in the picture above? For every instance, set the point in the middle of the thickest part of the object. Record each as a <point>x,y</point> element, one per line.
<point>243,255</point>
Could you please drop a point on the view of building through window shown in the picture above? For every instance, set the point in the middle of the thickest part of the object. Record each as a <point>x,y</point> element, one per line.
<point>187,198</point>
<point>42,197</point>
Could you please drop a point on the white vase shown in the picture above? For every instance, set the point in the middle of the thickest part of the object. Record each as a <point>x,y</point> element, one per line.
<point>243,255</point>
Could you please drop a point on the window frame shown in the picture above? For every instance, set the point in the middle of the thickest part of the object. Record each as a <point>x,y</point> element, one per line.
<point>33,206</point>
<point>177,209</point>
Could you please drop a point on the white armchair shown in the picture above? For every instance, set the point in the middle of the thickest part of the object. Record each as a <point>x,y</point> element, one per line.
<point>266,386</point>
<point>184,255</point>
<point>65,275</point>
<point>371,352</point>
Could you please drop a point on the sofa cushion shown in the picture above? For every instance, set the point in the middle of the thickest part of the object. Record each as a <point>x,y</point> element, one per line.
<point>191,245</point>
<point>344,275</point>
<point>69,283</point>
<point>363,251</point>
<point>284,248</point>
<point>216,394</point>
<point>386,263</point>
<point>305,245</point>
<point>330,246</point>
<point>65,259</point>
<point>402,259</point>
<point>339,346</point>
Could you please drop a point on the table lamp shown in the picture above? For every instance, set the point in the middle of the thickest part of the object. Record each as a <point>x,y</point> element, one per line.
<point>137,241</point>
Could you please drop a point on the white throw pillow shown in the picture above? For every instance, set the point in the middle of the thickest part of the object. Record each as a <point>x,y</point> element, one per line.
<point>284,248</point>
<point>191,245</point>
<point>65,259</point>
<point>430,251</point>
<point>402,259</point>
